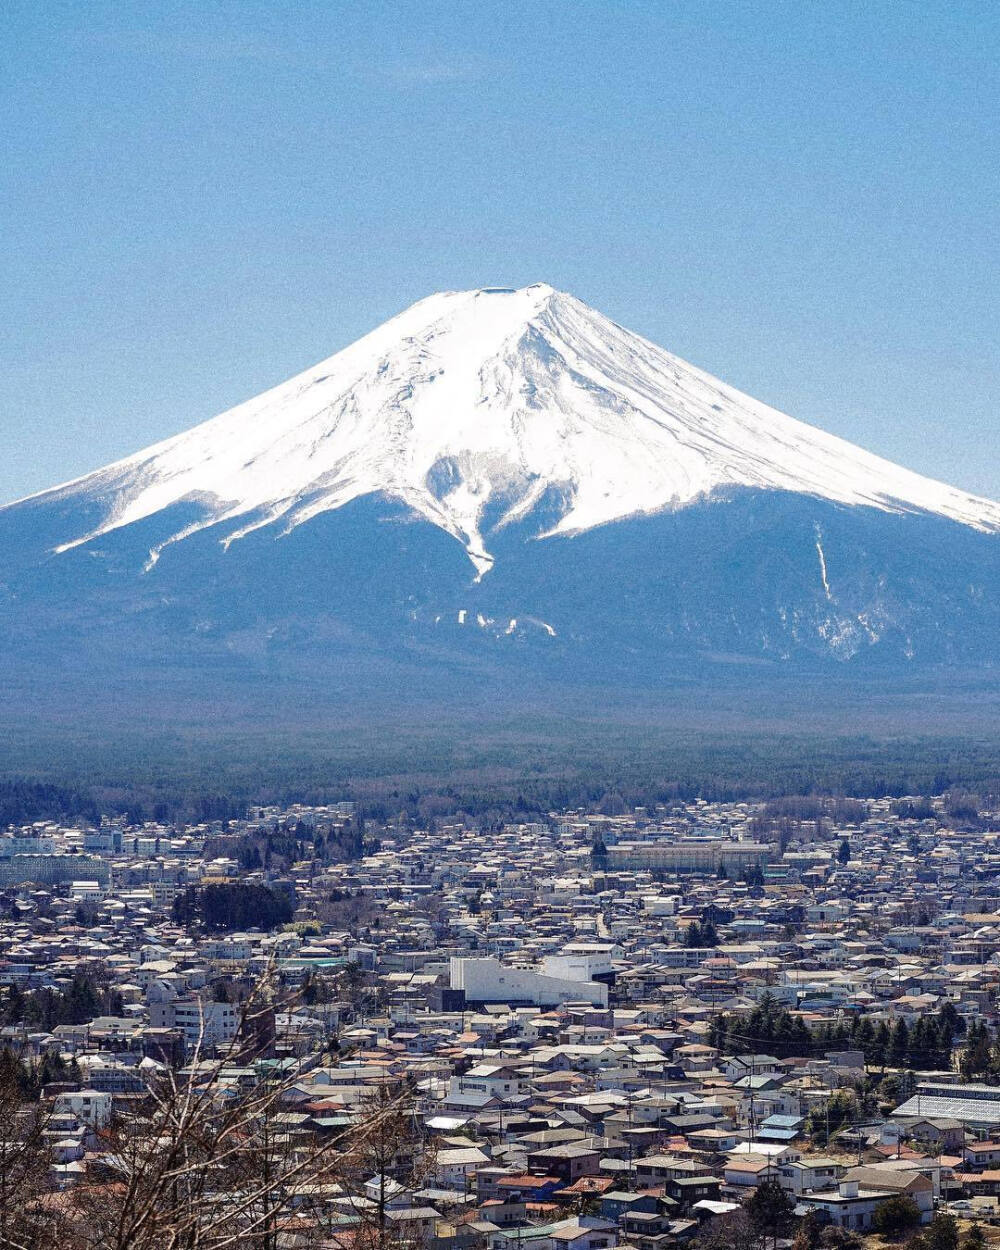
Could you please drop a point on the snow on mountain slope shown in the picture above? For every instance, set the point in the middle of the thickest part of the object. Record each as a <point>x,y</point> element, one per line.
<point>473,407</point>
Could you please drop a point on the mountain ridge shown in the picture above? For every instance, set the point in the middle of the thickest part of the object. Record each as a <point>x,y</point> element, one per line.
<point>498,486</point>
<point>485,404</point>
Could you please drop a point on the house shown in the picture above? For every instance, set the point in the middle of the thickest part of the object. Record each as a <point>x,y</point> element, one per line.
<point>851,1205</point>
<point>687,1190</point>
<point>897,1179</point>
<point>580,1233</point>
<point>647,1230</point>
<point>66,1150</point>
<point>470,1100</point>
<point>525,1188</point>
<point>386,1192</point>
<point>89,1106</point>
<point>655,1170</point>
<point>764,1096</point>
<point>739,1066</point>
<point>413,1225</point>
<point>453,1168</point>
<point>745,1172</point>
<point>781,1128</point>
<point>617,1203</point>
<point>696,1058</point>
<point>798,1176</point>
<point>494,1080</point>
<point>585,1233</point>
<point>941,1134</point>
<point>713,1140</point>
<point>983,1184</point>
<point>569,1161</point>
<point>981,1154</point>
<point>777,1152</point>
<point>938,1170</point>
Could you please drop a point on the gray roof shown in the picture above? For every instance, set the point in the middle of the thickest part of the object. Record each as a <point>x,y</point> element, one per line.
<point>965,1110</point>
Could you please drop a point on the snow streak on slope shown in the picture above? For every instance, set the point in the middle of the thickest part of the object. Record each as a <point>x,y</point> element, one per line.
<point>485,404</point>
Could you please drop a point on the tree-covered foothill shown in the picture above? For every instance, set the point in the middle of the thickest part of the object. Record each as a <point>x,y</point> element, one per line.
<point>232,905</point>
<point>22,802</point>
<point>507,773</point>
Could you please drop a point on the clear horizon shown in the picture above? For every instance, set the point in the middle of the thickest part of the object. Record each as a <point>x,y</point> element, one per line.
<point>201,201</point>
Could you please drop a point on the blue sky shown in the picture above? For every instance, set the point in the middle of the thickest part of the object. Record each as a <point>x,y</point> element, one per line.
<point>199,199</point>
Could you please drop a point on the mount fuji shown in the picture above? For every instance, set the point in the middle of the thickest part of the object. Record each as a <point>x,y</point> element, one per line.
<point>499,481</point>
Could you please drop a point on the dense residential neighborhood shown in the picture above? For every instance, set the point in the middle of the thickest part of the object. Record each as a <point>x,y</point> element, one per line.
<point>699,1023</point>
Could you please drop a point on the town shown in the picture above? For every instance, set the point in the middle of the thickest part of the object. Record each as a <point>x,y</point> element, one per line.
<point>727,1024</point>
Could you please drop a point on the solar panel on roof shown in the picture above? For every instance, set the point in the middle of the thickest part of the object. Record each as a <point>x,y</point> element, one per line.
<point>983,1109</point>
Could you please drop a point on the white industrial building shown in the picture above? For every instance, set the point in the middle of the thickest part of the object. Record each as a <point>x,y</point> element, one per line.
<point>489,981</point>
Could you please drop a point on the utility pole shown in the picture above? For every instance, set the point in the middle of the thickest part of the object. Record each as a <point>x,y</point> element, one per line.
<point>753,1091</point>
<point>631,1140</point>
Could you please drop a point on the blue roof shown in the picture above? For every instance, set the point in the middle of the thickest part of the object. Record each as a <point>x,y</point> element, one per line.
<point>777,1134</point>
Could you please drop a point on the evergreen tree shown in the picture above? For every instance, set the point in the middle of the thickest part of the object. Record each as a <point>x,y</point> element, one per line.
<point>974,1239</point>
<point>895,1216</point>
<point>770,1210</point>
<point>975,1060</point>
<point>941,1233</point>
<point>900,1044</point>
<point>881,1045</point>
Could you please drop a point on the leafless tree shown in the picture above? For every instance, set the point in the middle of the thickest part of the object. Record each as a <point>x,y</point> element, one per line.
<point>204,1161</point>
<point>385,1155</point>
<point>29,1219</point>
<point>733,1231</point>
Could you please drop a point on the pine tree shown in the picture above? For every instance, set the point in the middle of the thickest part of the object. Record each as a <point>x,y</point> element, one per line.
<point>900,1042</point>
<point>882,1045</point>
<point>976,1058</point>
<point>770,1210</point>
<point>974,1239</point>
<point>942,1232</point>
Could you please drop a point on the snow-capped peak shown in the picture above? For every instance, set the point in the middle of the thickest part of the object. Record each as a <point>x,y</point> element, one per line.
<point>483,403</point>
